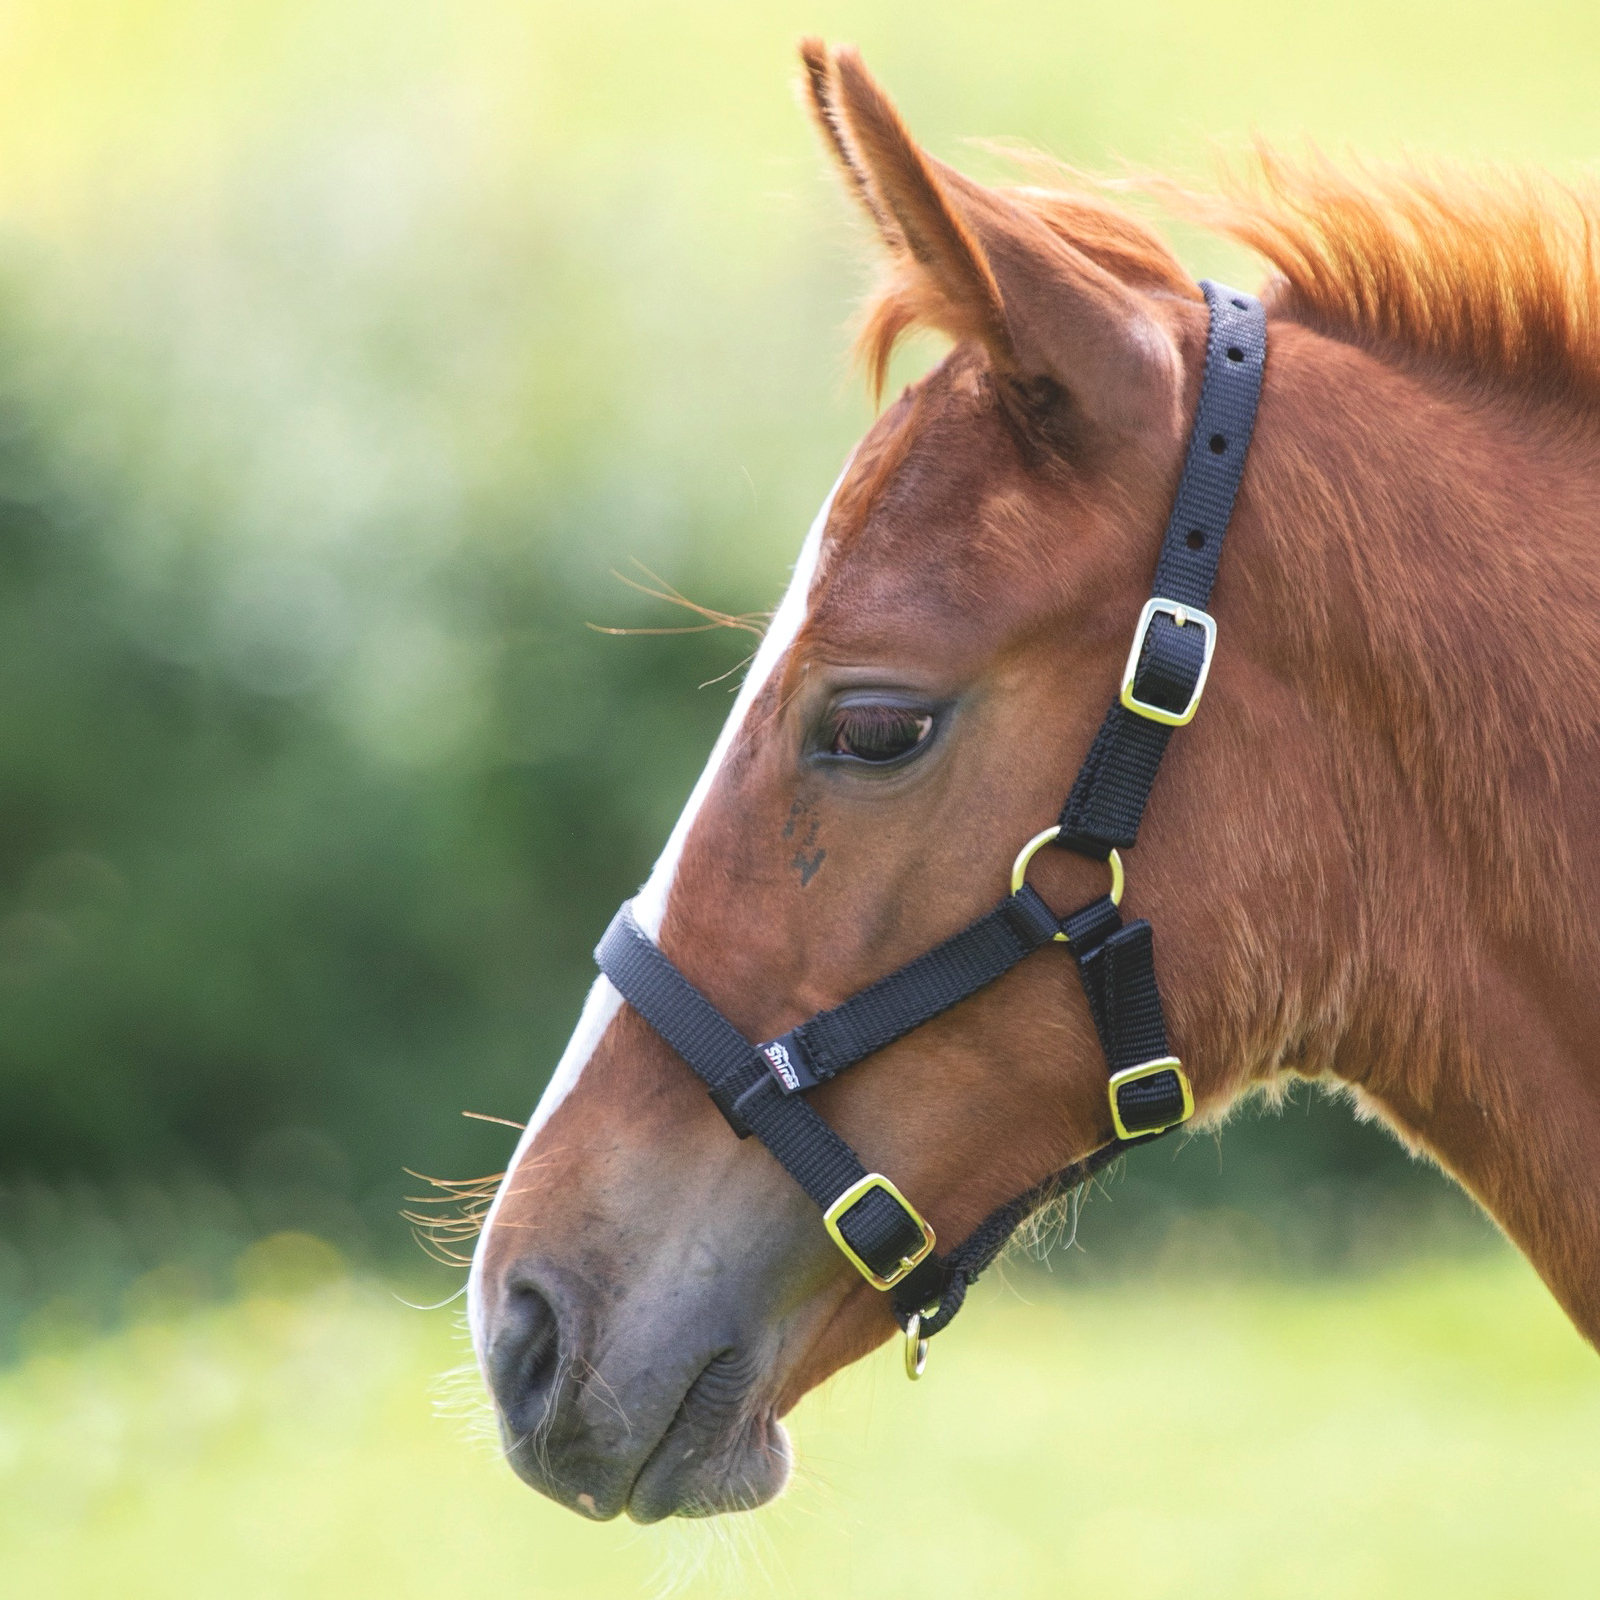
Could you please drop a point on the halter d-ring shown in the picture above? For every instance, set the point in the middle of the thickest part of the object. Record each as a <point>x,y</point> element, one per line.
<point>1019,867</point>
<point>916,1348</point>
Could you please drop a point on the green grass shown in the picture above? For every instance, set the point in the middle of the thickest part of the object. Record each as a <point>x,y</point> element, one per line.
<point>1427,1432</point>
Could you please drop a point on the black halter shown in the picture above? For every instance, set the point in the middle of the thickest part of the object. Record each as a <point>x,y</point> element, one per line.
<point>760,1089</point>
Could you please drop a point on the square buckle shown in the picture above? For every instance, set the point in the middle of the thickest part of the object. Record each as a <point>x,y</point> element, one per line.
<point>1150,1069</point>
<point>847,1202</point>
<point>1184,616</point>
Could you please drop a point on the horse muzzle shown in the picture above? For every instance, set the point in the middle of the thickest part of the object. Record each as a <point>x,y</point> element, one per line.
<point>658,1406</point>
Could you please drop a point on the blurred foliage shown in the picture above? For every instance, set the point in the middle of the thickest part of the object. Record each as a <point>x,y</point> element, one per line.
<point>344,351</point>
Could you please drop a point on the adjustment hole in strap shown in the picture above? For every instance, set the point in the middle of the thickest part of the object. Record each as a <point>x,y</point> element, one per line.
<point>1219,443</point>
<point>1196,540</point>
<point>1239,304</point>
<point>1235,353</point>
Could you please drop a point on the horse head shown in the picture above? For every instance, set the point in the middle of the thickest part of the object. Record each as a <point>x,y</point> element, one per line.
<point>650,1294</point>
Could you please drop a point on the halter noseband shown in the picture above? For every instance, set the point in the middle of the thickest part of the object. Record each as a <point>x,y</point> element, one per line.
<point>760,1089</point>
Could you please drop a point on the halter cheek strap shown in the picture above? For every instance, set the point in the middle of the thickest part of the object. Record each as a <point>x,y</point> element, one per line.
<point>760,1089</point>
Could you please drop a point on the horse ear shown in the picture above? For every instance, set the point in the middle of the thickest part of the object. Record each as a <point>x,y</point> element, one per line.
<point>991,271</point>
<point>892,179</point>
<point>822,95</point>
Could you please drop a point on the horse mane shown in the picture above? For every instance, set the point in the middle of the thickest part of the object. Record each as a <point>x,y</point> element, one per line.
<point>1492,275</point>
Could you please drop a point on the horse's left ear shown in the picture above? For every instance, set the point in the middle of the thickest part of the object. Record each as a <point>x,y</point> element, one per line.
<point>990,271</point>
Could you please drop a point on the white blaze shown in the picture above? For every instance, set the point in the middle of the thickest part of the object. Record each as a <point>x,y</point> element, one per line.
<point>650,904</point>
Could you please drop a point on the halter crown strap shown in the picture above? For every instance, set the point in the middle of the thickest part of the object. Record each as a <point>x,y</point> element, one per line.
<point>1172,648</point>
<point>760,1089</point>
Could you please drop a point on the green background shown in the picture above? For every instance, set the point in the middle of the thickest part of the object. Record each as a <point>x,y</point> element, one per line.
<point>346,350</point>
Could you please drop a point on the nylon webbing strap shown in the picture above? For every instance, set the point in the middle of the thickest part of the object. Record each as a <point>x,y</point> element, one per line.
<point>728,1064</point>
<point>1107,802</point>
<point>916,993</point>
<point>1119,977</point>
<point>1116,965</point>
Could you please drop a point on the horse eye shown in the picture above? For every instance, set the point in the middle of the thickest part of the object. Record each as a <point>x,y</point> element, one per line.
<point>878,732</point>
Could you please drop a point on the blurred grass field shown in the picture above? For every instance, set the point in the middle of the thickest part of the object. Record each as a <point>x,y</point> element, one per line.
<point>1426,1432</point>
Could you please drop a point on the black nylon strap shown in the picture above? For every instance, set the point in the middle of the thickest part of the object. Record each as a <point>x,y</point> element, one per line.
<point>1117,966</point>
<point>1107,802</point>
<point>1224,423</point>
<point>913,994</point>
<point>809,1150</point>
<point>724,1060</point>
<point>1119,978</point>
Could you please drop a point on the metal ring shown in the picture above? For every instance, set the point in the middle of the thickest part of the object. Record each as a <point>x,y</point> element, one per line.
<point>916,1348</point>
<point>1019,867</point>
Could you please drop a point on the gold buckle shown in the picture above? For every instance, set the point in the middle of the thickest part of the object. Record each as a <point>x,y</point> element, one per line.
<point>1019,868</point>
<point>1149,1069</point>
<point>847,1202</point>
<point>1183,616</point>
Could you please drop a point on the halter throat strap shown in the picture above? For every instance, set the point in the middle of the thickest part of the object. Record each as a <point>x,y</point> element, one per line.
<point>760,1089</point>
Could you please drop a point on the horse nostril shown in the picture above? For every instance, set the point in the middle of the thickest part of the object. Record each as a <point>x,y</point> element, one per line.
<point>525,1357</point>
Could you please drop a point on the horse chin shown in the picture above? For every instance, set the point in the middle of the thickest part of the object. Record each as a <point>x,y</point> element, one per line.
<point>721,1449</point>
<point>720,1452</point>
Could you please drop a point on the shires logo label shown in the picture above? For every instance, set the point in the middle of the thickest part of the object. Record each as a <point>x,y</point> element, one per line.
<point>778,1057</point>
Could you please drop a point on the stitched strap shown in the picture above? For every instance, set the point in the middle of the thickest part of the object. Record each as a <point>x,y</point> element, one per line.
<point>1116,964</point>
<point>916,993</point>
<point>1119,978</point>
<point>730,1067</point>
<point>1107,802</point>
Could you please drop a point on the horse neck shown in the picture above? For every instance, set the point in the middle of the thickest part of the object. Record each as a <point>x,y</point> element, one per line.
<point>1425,571</point>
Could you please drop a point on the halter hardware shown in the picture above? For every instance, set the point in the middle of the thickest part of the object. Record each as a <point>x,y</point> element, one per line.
<point>875,1182</point>
<point>761,1090</point>
<point>1019,869</point>
<point>1126,1119</point>
<point>916,1347</point>
<point>1182,617</point>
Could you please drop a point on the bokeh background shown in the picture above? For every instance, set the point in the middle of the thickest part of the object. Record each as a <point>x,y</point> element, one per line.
<point>347,353</point>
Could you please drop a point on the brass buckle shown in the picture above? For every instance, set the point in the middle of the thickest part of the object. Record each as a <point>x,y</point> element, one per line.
<point>1183,616</point>
<point>1019,868</point>
<point>1149,1069</point>
<point>847,1202</point>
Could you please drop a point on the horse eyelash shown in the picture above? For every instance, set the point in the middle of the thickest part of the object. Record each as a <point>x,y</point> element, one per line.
<point>872,722</point>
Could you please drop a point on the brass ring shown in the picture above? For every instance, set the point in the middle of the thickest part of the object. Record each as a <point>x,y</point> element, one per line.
<point>916,1348</point>
<point>1019,867</point>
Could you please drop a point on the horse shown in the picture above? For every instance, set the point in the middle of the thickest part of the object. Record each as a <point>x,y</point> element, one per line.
<point>1369,861</point>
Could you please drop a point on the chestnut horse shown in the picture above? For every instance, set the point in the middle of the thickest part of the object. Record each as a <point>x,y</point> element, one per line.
<point>1367,861</point>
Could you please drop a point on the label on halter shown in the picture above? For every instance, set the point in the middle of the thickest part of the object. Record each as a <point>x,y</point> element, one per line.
<point>787,1063</point>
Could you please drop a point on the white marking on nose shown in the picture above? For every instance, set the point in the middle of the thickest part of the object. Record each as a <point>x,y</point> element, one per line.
<point>650,904</point>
